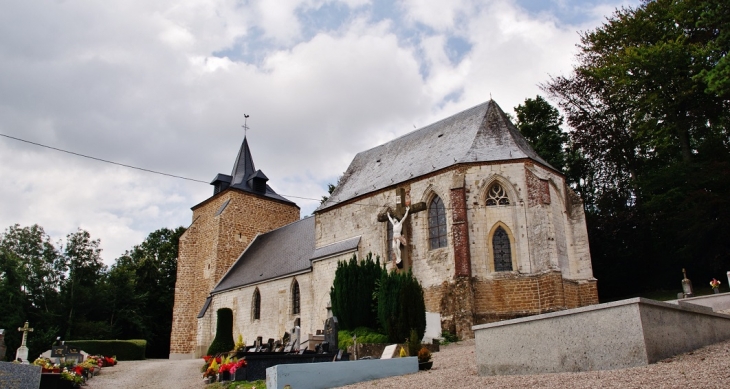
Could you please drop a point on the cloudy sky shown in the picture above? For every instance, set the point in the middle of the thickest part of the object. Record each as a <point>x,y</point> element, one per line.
<point>164,85</point>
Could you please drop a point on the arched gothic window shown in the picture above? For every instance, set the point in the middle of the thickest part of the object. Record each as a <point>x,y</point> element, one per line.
<point>502,250</point>
<point>496,195</point>
<point>256,305</point>
<point>436,223</point>
<point>295,298</point>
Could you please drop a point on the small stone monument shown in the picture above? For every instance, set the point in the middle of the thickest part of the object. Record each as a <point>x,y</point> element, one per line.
<point>22,352</point>
<point>2,345</point>
<point>331,333</point>
<point>296,338</point>
<point>687,285</point>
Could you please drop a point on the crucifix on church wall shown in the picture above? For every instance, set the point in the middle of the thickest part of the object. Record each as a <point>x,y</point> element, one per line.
<point>399,227</point>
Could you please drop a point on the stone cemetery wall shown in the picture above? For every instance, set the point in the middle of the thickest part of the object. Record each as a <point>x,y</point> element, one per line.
<point>614,335</point>
<point>210,246</point>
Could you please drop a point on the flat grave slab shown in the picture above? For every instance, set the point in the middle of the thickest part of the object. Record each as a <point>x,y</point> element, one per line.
<point>18,376</point>
<point>334,374</point>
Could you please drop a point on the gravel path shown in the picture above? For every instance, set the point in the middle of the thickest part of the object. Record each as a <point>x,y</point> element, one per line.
<point>152,373</point>
<point>455,367</point>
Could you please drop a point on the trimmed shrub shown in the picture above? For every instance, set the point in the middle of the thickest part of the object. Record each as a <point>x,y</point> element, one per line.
<point>364,335</point>
<point>223,341</point>
<point>125,350</point>
<point>352,292</point>
<point>401,306</point>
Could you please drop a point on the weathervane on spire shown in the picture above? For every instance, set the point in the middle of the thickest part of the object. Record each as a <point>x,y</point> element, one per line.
<point>245,127</point>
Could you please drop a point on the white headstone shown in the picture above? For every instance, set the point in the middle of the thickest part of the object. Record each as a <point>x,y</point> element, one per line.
<point>389,351</point>
<point>433,327</point>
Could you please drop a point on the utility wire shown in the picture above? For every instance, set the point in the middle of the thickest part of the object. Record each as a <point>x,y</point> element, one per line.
<point>102,160</point>
<point>186,178</point>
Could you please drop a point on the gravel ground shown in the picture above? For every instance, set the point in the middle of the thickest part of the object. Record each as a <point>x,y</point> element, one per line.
<point>455,367</point>
<point>152,373</point>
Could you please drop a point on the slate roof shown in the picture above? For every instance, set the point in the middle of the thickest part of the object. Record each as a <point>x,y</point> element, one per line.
<point>243,172</point>
<point>281,252</point>
<point>479,134</point>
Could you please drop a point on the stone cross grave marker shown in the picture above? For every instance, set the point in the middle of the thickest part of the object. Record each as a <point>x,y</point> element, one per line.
<point>402,205</point>
<point>389,351</point>
<point>22,352</point>
<point>331,332</point>
<point>18,376</point>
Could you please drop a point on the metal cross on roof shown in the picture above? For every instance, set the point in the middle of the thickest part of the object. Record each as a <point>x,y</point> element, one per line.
<point>245,127</point>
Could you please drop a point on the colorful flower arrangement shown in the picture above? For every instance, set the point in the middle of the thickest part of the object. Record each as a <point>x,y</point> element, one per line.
<point>47,365</point>
<point>714,283</point>
<point>221,367</point>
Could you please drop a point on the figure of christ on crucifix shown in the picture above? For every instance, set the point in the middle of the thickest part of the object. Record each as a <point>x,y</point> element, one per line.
<point>398,239</point>
<point>397,218</point>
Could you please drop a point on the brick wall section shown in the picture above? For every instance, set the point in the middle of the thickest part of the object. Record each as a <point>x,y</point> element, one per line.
<point>505,297</point>
<point>210,246</point>
<point>460,229</point>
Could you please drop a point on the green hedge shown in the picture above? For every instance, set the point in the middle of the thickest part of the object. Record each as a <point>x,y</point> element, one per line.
<point>125,350</point>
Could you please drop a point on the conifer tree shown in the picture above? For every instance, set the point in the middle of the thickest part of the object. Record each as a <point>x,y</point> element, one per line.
<point>352,292</point>
<point>223,341</point>
<point>401,306</point>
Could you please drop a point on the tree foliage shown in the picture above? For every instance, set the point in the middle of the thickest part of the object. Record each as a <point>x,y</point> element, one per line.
<point>352,292</point>
<point>539,122</point>
<point>649,106</point>
<point>401,306</point>
<point>223,341</point>
<point>66,290</point>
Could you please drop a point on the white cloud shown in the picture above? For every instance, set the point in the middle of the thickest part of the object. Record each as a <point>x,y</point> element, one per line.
<point>144,83</point>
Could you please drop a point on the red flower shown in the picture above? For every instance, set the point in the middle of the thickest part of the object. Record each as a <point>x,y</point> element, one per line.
<point>207,358</point>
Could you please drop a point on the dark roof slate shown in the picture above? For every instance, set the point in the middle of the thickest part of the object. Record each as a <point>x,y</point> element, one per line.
<point>480,134</point>
<point>336,248</point>
<point>243,171</point>
<point>283,251</point>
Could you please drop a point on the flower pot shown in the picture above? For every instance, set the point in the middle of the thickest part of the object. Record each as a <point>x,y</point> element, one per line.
<point>425,365</point>
<point>716,290</point>
<point>225,376</point>
<point>240,374</point>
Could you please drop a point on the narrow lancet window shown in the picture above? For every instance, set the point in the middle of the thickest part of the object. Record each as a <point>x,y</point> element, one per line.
<point>436,223</point>
<point>502,250</point>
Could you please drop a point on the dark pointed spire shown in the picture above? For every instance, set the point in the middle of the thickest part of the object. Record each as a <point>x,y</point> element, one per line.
<point>243,168</point>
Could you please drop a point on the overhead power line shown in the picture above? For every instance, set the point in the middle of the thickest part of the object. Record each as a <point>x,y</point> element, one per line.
<point>186,178</point>
<point>103,160</point>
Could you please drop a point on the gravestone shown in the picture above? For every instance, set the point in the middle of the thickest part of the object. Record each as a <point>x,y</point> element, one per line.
<point>389,351</point>
<point>296,338</point>
<point>331,333</point>
<point>74,352</point>
<point>22,352</point>
<point>18,376</point>
<point>2,345</point>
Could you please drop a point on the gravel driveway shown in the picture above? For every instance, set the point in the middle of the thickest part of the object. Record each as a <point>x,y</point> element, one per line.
<point>152,373</point>
<point>455,367</point>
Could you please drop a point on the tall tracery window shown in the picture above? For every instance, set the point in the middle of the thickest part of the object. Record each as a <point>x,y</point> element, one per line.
<point>496,195</point>
<point>436,223</point>
<point>256,305</point>
<point>502,250</point>
<point>295,298</point>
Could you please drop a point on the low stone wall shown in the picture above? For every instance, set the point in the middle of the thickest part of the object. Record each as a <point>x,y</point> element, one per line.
<point>330,375</point>
<point>615,335</point>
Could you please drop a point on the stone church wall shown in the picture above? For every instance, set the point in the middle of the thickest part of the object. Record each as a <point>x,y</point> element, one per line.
<point>549,245</point>
<point>210,246</point>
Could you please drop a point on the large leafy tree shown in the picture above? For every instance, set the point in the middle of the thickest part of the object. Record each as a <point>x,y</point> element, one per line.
<point>149,271</point>
<point>539,122</point>
<point>649,109</point>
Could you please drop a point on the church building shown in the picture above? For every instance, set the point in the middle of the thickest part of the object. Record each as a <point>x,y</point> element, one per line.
<point>490,230</point>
